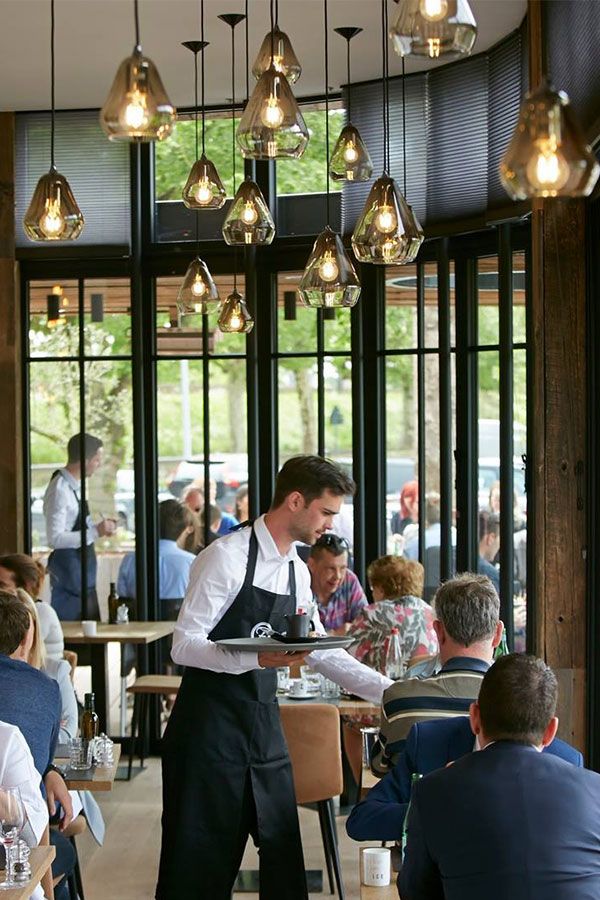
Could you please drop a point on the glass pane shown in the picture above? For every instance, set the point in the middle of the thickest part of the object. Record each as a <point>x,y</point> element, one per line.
<point>54,322</point>
<point>487,300</point>
<point>180,423</point>
<point>519,322</point>
<point>296,323</point>
<point>297,379</point>
<point>338,430</point>
<point>107,317</point>
<point>520,540</point>
<point>337,330</point>
<point>308,175</point>
<point>452,305</point>
<point>431,305</point>
<point>401,307</point>
<point>401,449</point>
<point>228,437</point>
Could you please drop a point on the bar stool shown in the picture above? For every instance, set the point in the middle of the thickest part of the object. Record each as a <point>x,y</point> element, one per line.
<point>143,688</point>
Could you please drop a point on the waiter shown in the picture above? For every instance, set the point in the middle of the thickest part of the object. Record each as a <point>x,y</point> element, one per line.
<point>64,514</point>
<point>226,770</point>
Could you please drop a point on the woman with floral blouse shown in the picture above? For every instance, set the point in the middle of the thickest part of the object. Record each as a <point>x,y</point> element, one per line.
<point>396,585</point>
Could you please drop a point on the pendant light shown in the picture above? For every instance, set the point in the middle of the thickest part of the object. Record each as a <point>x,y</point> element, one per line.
<point>433,28</point>
<point>235,317</point>
<point>198,294</point>
<point>53,213</point>
<point>276,46</point>
<point>137,107</point>
<point>249,219</point>
<point>548,155</point>
<point>203,188</point>
<point>388,231</point>
<point>272,126</point>
<point>350,160</point>
<point>329,278</point>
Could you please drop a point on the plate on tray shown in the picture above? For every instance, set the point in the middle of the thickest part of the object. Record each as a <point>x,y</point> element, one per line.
<point>259,644</point>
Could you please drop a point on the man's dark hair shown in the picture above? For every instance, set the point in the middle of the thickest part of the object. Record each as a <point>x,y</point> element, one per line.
<point>14,622</point>
<point>91,446</point>
<point>173,518</point>
<point>468,607</point>
<point>517,699</point>
<point>489,523</point>
<point>332,543</point>
<point>311,476</point>
<point>28,573</point>
<point>432,508</point>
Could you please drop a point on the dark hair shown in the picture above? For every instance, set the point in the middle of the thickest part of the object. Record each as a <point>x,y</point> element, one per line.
<point>333,543</point>
<point>91,446</point>
<point>28,572</point>
<point>489,523</point>
<point>397,576</point>
<point>14,622</point>
<point>432,508</point>
<point>517,699</point>
<point>240,494</point>
<point>468,607</point>
<point>214,513</point>
<point>173,518</point>
<point>311,476</point>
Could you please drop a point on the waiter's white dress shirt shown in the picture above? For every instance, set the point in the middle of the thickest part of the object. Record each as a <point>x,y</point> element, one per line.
<point>61,508</point>
<point>216,578</point>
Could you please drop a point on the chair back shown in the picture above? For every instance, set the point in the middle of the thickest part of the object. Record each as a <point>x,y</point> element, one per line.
<point>312,732</point>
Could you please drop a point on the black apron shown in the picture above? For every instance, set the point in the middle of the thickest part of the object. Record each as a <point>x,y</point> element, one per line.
<point>226,770</point>
<point>64,566</point>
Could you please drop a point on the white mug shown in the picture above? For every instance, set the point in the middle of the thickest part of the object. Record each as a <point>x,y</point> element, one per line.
<point>297,688</point>
<point>376,866</point>
<point>89,627</point>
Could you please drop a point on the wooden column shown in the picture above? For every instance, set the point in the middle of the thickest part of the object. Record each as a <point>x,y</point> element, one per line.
<point>11,488</point>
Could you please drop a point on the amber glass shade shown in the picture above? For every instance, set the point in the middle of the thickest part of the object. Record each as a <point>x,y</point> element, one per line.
<point>53,214</point>
<point>137,107</point>
<point>387,231</point>
<point>329,278</point>
<point>548,155</point>
<point>198,293</point>
<point>272,126</point>
<point>350,160</point>
<point>249,220</point>
<point>203,189</point>
<point>277,47</point>
<point>235,317</point>
<point>433,28</point>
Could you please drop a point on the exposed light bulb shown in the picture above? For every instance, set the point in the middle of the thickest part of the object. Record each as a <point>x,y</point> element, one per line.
<point>328,268</point>
<point>202,192</point>
<point>271,113</point>
<point>249,213</point>
<point>350,152</point>
<point>135,114</point>
<point>52,222</point>
<point>433,10</point>
<point>385,220</point>
<point>235,321</point>
<point>278,62</point>
<point>435,46</point>
<point>548,170</point>
<point>198,287</point>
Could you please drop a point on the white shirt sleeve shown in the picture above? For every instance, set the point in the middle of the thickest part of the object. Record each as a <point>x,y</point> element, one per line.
<point>51,630</point>
<point>215,581</point>
<point>17,770</point>
<point>61,508</point>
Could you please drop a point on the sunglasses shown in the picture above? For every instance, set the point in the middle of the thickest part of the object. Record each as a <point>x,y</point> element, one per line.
<point>333,542</point>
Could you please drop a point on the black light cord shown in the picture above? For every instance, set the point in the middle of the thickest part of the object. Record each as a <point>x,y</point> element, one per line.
<point>272,14</point>
<point>136,15</point>
<point>326,100</point>
<point>404,125</point>
<point>349,81</point>
<point>196,136</point>
<point>203,49</point>
<point>383,85</point>
<point>277,12</point>
<point>247,56</point>
<point>387,85</point>
<point>233,141</point>
<point>52,83</point>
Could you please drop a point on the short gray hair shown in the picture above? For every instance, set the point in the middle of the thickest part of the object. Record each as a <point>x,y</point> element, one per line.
<point>468,607</point>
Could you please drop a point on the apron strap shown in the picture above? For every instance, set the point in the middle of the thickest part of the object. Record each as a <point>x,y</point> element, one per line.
<point>252,557</point>
<point>293,584</point>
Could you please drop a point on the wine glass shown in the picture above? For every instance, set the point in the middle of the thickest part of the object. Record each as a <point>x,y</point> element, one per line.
<point>12,821</point>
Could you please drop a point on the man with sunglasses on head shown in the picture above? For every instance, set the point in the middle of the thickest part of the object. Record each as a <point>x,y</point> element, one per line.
<point>337,592</point>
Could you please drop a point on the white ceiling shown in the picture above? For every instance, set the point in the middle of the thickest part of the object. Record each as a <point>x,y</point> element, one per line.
<point>93,36</point>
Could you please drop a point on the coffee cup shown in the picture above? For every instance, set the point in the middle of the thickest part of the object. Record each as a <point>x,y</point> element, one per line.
<point>298,625</point>
<point>376,866</point>
<point>89,627</point>
<point>297,688</point>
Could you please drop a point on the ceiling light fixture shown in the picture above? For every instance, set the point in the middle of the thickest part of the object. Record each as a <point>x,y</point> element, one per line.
<point>53,213</point>
<point>329,278</point>
<point>350,160</point>
<point>433,28</point>
<point>548,155</point>
<point>277,47</point>
<point>137,107</point>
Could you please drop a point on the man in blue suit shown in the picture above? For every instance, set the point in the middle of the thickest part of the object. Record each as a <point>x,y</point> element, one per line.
<point>429,746</point>
<point>509,822</point>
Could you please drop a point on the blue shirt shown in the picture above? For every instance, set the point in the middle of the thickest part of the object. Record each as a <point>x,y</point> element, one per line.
<point>173,572</point>
<point>31,701</point>
<point>227,523</point>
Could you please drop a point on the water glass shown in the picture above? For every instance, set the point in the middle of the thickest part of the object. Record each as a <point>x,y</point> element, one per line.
<point>311,679</point>
<point>12,820</point>
<point>80,754</point>
<point>283,678</point>
<point>103,750</point>
<point>329,689</point>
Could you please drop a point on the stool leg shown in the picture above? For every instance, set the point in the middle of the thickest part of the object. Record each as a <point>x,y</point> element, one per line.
<point>337,868</point>
<point>77,871</point>
<point>326,848</point>
<point>134,729</point>
<point>143,726</point>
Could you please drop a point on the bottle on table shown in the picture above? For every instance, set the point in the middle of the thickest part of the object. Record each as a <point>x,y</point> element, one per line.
<point>502,648</point>
<point>113,604</point>
<point>89,721</point>
<point>394,665</point>
<point>413,780</point>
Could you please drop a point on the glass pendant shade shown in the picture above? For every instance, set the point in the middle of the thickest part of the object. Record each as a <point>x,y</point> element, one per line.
<point>198,294</point>
<point>433,28</point>
<point>548,155</point>
<point>53,214</point>
<point>137,107</point>
<point>235,317</point>
<point>329,278</point>
<point>203,189</point>
<point>272,126</point>
<point>277,47</point>
<point>249,219</point>
<point>350,160</point>
<point>387,231</point>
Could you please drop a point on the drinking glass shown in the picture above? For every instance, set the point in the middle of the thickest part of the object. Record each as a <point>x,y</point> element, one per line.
<point>283,679</point>
<point>329,689</point>
<point>12,820</point>
<point>80,754</point>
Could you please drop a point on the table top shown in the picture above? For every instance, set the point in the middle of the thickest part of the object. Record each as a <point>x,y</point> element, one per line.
<point>347,707</point>
<point>102,777</point>
<point>128,633</point>
<point>40,859</point>
<point>380,893</point>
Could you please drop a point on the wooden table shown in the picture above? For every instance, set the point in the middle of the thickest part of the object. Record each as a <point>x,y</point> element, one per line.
<point>102,777</point>
<point>40,860</point>
<point>141,633</point>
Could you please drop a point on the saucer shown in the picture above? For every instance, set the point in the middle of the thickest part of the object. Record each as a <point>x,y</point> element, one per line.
<point>307,695</point>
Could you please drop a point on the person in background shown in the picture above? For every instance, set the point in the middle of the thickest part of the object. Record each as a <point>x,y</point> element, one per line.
<point>17,570</point>
<point>337,592</point>
<point>396,585</point>
<point>193,496</point>
<point>409,508</point>
<point>215,519</point>
<point>519,520</point>
<point>489,545</point>
<point>433,532</point>
<point>65,517</point>
<point>242,513</point>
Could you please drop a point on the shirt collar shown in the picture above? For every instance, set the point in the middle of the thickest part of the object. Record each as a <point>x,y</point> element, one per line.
<point>267,546</point>
<point>70,479</point>
<point>472,663</point>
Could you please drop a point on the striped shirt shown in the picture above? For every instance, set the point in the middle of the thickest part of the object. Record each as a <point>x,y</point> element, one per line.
<point>445,695</point>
